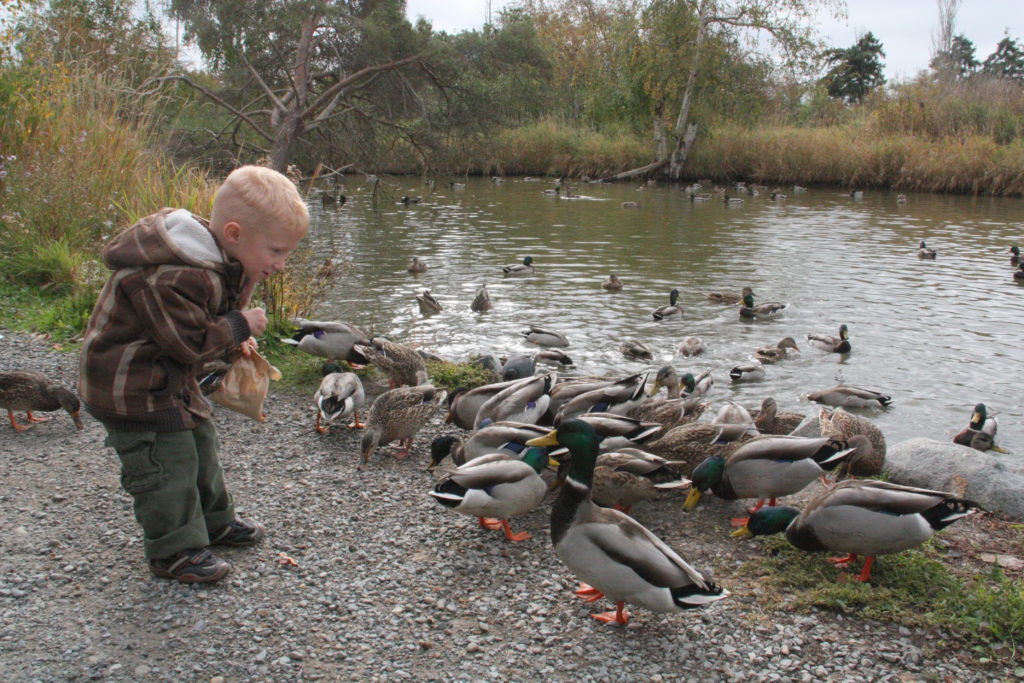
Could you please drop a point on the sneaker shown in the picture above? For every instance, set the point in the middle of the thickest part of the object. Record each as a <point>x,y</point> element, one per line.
<point>192,565</point>
<point>238,533</point>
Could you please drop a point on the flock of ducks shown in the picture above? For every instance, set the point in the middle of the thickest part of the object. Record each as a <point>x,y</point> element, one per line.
<point>606,444</point>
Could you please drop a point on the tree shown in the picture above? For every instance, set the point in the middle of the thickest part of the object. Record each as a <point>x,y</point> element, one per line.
<point>291,67</point>
<point>958,62</point>
<point>1006,62</point>
<point>856,70</point>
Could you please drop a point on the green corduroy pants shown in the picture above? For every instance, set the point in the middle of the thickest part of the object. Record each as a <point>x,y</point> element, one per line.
<point>177,483</point>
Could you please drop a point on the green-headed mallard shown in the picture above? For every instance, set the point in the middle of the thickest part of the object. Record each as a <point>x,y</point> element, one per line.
<point>765,311</point>
<point>416,266</point>
<point>612,284</point>
<point>33,391</point>
<point>427,303</point>
<point>482,301</point>
<point>628,476</point>
<point>1015,259</point>
<point>671,310</point>
<point>924,252</point>
<point>330,340</point>
<point>692,346</point>
<point>747,372</point>
<point>769,420</point>
<point>730,298</point>
<point>618,397</point>
<point>524,400</point>
<point>497,437</point>
<point>843,425</point>
<point>767,467</point>
<point>773,354</point>
<point>862,517</point>
<point>397,415</point>
<point>340,395</point>
<point>636,350</point>
<point>610,552</point>
<point>980,432</point>
<point>687,386</point>
<point>846,396</point>
<point>402,364</point>
<point>552,357</point>
<point>524,268</point>
<point>832,343</point>
<point>495,487</point>
<point>542,336</point>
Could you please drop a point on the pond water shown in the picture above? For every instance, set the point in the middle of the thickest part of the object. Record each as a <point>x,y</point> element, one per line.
<point>938,336</point>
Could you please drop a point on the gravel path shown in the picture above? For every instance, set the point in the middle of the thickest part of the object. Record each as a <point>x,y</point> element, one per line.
<point>389,586</point>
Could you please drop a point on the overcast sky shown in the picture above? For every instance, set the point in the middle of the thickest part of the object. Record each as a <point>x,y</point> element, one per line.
<point>904,27</point>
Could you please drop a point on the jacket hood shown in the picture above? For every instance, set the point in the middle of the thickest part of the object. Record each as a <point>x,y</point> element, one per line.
<point>172,237</point>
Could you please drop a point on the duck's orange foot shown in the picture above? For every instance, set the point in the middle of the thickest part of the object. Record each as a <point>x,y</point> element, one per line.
<point>739,521</point>
<point>588,592</point>
<point>490,523</point>
<point>844,560</point>
<point>515,538</point>
<point>14,423</point>
<point>619,616</point>
<point>32,418</point>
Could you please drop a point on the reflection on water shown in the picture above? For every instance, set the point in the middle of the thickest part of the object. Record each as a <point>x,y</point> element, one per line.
<point>938,336</point>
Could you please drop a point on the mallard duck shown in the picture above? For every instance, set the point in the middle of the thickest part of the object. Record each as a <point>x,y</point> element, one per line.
<point>524,268</point>
<point>552,357</point>
<point>495,487</point>
<point>833,344</point>
<point>856,194</point>
<point>846,396</point>
<point>417,266</point>
<point>924,252</point>
<point>427,303</point>
<point>409,199</point>
<point>769,420</point>
<point>732,200</point>
<point>773,354</point>
<point>397,415</point>
<point>777,196</point>
<point>33,391</point>
<point>612,284</point>
<point>618,398</point>
<point>671,310</point>
<point>482,301</point>
<point>842,424</point>
<point>636,350</point>
<point>767,467</point>
<point>1019,274</point>
<point>692,346</point>
<point>668,412</point>
<point>464,404</point>
<point>402,364</point>
<point>568,389</point>
<point>542,336</point>
<point>687,386</point>
<point>747,372</point>
<point>498,437</point>
<point>611,553</point>
<point>519,366</point>
<point>691,444</point>
<point>628,476</point>
<point>630,205</point>
<point>980,432</point>
<point>734,422</point>
<point>618,431</point>
<point>729,297</point>
<point>330,340</point>
<point>339,396</point>
<point>765,311</point>
<point>1015,259</point>
<point>524,400</point>
<point>862,517</point>
<point>901,198</point>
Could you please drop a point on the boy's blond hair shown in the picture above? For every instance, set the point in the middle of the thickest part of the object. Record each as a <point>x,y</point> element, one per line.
<point>258,198</point>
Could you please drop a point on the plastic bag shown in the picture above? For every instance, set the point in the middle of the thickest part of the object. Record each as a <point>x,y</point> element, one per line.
<point>244,386</point>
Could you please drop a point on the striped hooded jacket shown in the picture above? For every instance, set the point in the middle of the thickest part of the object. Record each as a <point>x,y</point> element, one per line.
<point>171,305</point>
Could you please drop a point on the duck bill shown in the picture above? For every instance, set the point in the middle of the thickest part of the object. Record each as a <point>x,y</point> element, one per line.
<point>742,532</point>
<point>549,439</point>
<point>691,500</point>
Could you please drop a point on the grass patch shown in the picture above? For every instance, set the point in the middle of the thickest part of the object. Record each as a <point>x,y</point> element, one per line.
<point>912,588</point>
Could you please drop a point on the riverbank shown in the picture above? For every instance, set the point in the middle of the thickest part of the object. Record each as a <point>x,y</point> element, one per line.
<point>386,585</point>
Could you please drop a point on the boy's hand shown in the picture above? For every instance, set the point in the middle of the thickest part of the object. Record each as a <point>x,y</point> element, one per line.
<point>257,319</point>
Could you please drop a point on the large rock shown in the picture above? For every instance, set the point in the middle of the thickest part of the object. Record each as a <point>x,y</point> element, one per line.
<point>996,482</point>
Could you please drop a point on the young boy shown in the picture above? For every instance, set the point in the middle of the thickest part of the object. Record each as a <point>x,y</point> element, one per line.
<point>178,298</point>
